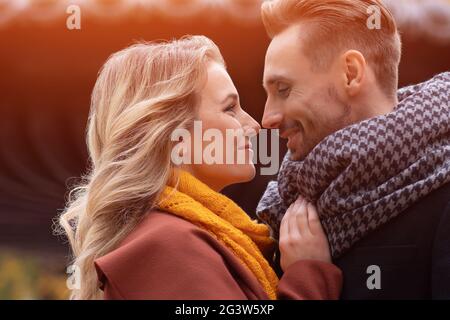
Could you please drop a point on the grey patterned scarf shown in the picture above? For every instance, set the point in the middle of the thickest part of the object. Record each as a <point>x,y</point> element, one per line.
<point>362,176</point>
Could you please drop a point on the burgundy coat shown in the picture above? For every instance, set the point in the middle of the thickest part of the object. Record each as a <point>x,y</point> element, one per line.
<point>168,257</point>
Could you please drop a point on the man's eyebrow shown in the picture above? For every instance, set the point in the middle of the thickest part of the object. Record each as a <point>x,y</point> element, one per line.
<point>233,96</point>
<point>273,79</point>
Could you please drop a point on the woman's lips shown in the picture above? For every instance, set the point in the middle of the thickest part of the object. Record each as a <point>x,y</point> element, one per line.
<point>246,146</point>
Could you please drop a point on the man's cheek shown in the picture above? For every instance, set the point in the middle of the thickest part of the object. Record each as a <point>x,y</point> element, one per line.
<point>294,113</point>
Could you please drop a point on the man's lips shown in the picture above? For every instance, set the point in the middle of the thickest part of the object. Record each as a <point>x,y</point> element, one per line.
<point>294,139</point>
<point>289,132</point>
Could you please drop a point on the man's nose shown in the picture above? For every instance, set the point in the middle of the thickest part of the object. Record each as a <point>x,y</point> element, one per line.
<point>272,119</point>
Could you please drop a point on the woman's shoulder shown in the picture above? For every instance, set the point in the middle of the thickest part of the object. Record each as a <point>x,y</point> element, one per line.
<point>157,231</point>
<point>157,247</point>
<point>160,226</point>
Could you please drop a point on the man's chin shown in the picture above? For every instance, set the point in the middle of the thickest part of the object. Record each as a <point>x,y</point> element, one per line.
<point>295,155</point>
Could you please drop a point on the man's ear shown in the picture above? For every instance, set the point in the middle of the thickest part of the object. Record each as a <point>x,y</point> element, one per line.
<point>354,67</point>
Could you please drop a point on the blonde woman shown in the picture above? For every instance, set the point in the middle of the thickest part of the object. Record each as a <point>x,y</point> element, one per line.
<point>141,227</point>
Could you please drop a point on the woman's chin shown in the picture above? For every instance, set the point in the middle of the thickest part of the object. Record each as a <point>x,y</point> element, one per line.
<point>235,174</point>
<point>244,173</point>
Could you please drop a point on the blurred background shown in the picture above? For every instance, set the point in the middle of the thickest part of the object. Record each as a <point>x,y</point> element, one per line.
<point>47,72</point>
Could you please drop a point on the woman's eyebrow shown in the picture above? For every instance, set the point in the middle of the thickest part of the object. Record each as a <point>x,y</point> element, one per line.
<point>233,96</point>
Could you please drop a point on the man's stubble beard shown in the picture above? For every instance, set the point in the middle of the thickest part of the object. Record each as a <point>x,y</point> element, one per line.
<point>332,126</point>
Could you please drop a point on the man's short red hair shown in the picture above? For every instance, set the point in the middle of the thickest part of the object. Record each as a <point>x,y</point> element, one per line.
<point>334,26</point>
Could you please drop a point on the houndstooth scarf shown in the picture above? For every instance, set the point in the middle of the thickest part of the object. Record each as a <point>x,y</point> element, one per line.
<point>362,176</point>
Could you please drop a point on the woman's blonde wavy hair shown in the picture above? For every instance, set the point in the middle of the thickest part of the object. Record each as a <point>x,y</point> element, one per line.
<point>142,94</point>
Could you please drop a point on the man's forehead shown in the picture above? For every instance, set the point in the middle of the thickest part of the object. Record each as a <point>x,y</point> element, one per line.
<point>284,56</point>
<point>285,45</point>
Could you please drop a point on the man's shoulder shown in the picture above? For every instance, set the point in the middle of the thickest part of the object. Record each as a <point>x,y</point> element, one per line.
<point>439,198</point>
<point>425,213</point>
<point>402,249</point>
<point>417,225</point>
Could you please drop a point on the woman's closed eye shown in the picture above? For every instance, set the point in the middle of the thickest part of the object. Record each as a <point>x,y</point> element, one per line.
<point>231,109</point>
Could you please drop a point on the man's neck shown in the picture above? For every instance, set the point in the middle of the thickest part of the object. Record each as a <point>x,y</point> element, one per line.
<point>377,105</point>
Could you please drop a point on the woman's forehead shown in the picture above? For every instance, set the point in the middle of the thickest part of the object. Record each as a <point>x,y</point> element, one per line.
<point>219,85</point>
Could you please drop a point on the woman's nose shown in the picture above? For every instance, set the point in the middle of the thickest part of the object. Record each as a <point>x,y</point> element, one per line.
<point>251,125</point>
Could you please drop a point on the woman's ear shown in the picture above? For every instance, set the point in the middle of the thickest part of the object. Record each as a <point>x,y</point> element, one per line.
<point>354,67</point>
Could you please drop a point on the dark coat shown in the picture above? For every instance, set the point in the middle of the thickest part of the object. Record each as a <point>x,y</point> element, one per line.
<point>412,251</point>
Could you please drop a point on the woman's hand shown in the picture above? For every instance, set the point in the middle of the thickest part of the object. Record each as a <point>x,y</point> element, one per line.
<point>302,236</point>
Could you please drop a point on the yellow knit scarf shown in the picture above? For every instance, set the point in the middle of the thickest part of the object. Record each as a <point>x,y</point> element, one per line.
<point>224,219</point>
